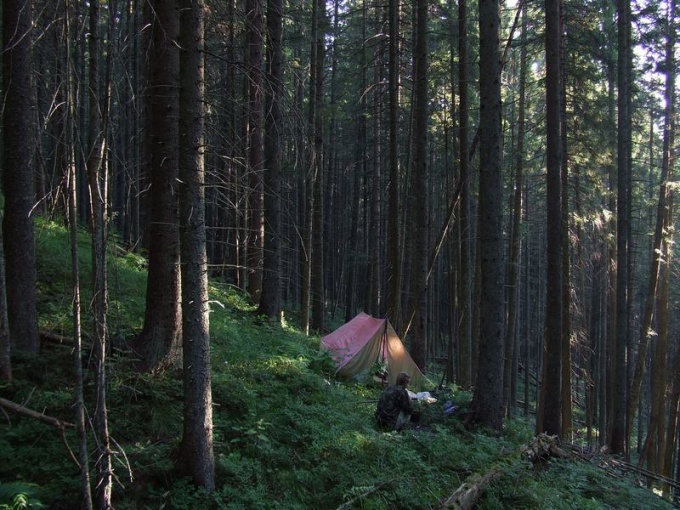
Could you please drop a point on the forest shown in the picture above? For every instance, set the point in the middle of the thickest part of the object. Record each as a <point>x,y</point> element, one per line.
<point>495,178</point>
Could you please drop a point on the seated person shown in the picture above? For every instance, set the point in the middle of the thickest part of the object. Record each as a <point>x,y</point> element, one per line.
<point>395,406</point>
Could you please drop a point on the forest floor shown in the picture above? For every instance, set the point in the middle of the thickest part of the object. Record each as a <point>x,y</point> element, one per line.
<point>286,434</point>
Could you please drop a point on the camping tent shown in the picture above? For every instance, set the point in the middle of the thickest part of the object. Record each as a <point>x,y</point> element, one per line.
<point>356,346</point>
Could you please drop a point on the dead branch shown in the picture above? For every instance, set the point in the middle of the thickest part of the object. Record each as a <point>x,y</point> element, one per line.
<point>370,490</point>
<point>465,497</point>
<point>24,411</point>
<point>49,337</point>
<point>53,338</point>
<point>544,446</point>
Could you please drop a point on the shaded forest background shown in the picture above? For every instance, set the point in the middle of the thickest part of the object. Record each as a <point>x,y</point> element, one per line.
<point>497,179</point>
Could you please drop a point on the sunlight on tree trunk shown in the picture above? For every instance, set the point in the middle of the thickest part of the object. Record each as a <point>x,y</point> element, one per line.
<point>196,456</point>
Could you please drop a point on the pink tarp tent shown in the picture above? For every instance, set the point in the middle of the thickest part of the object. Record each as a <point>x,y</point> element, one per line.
<point>359,344</point>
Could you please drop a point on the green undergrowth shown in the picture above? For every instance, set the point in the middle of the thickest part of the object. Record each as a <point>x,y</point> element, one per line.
<point>286,433</point>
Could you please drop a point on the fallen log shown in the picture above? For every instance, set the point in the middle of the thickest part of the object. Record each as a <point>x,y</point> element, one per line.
<point>24,411</point>
<point>544,446</point>
<point>465,497</point>
<point>54,338</point>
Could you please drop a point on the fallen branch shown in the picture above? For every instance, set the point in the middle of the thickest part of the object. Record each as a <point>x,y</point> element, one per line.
<point>370,490</point>
<point>24,411</point>
<point>54,338</point>
<point>544,446</point>
<point>466,496</point>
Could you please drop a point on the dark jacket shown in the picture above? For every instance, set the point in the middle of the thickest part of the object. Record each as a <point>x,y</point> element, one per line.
<point>395,399</point>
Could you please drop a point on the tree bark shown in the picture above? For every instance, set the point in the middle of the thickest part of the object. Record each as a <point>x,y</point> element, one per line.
<point>671,438</point>
<point>619,434</point>
<point>19,145</point>
<point>566,336</point>
<point>374,185</point>
<point>72,181</point>
<point>549,419</point>
<point>270,299</point>
<point>79,397</point>
<point>317,286</point>
<point>255,131</point>
<point>516,234</point>
<point>49,420</point>
<point>466,496</point>
<point>160,341</point>
<point>359,172</point>
<point>664,220</point>
<point>310,180</point>
<point>659,444</point>
<point>196,454</point>
<point>5,341</point>
<point>487,400</point>
<point>394,270</point>
<point>419,213</point>
<point>466,267</point>
<point>98,190</point>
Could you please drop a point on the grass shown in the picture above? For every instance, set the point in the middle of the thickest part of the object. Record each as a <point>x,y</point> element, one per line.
<point>287,435</point>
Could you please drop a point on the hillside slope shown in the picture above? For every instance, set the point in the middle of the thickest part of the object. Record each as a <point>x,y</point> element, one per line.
<point>287,435</point>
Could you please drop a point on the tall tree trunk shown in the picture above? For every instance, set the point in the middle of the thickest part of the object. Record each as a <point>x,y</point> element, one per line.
<point>608,346</point>
<point>487,400</point>
<point>549,417</point>
<point>659,444</point>
<point>317,276</point>
<point>566,334</point>
<point>72,212</point>
<point>516,236</point>
<point>358,172</point>
<point>197,441</point>
<point>419,347</point>
<point>19,146</point>
<point>659,385</point>
<point>374,186</point>
<point>618,438</point>
<point>465,378</point>
<point>98,190</point>
<point>663,222</point>
<point>655,276</point>
<point>5,343</point>
<point>672,442</point>
<point>394,269</point>
<point>79,400</point>
<point>160,339</point>
<point>311,177</point>
<point>255,147</point>
<point>672,427</point>
<point>332,182</point>
<point>270,299</point>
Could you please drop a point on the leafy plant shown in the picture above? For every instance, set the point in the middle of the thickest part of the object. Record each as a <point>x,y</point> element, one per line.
<point>379,369</point>
<point>322,363</point>
<point>19,496</point>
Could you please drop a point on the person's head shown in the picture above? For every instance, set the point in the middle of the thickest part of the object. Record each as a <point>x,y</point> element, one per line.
<point>403,379</point>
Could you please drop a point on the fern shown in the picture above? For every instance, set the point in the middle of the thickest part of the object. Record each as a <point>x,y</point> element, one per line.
<point>19,496</point>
